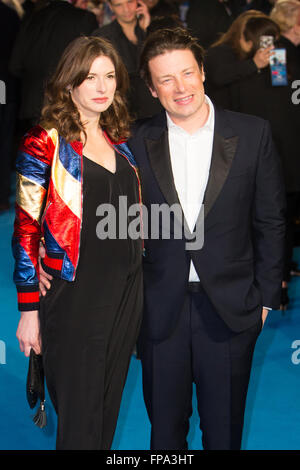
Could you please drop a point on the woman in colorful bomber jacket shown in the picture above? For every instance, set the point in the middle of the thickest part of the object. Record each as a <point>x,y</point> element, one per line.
<point>72,168</point>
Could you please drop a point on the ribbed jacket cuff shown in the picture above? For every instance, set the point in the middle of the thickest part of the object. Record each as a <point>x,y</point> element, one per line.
<point>28,297</point>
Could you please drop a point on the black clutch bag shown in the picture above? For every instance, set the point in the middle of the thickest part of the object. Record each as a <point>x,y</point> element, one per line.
<point>35,388</point>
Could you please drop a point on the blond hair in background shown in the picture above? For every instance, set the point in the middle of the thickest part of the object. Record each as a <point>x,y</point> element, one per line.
<point>286,14</point>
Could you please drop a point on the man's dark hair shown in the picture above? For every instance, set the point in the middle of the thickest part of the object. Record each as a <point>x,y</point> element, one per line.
<point>163,22</point>
<point>167,40</point>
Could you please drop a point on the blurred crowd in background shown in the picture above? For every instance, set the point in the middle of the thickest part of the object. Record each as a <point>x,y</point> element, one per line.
<point>33,34</point>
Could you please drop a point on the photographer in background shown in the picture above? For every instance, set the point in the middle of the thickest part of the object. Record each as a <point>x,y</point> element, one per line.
<point>230,59</point>
<point>247,87</point>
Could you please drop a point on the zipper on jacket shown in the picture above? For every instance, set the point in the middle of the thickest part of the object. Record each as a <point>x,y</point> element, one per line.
<point>45,212</point>
<point>81,219</point>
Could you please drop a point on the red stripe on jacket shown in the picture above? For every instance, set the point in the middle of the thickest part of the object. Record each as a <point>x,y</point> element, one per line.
<point>53,263</point>
<point>28,297</point>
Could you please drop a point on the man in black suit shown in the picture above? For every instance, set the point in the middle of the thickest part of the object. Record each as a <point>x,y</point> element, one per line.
<point>38,48</point>
<point>9,26</point>
<point>203,307</point>
<point>208,19</point>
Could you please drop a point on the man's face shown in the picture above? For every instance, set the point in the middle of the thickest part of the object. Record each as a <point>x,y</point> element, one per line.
<point>177,82</point>
<point>125,10</point>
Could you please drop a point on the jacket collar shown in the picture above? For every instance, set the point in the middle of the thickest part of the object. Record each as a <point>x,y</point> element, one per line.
<point>224,149</point>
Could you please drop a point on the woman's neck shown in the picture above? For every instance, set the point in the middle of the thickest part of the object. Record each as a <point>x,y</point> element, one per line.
<point>91,124</point>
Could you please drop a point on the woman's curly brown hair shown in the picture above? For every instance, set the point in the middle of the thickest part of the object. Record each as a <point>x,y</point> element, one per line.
<point>59,110</point>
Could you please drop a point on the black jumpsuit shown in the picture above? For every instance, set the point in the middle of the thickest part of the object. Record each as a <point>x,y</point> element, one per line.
<point>89,326</point>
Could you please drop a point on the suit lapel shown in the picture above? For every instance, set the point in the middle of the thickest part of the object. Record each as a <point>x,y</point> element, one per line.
<point>159,156</point>
<point>160,160</point>
<point>224,150</point>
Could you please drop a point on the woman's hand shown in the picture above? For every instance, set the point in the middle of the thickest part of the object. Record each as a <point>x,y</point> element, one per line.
<point>28,332</point>
<point>44,278</point>
<point>262,56</point>
<point>264,315</point>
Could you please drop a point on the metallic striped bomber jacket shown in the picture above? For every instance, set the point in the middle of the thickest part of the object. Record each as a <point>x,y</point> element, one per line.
<point>49,206</point>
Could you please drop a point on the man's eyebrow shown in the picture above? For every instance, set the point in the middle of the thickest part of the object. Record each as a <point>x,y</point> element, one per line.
<point>165,76</point>
<point>191,67</point>
<point>182,71</point>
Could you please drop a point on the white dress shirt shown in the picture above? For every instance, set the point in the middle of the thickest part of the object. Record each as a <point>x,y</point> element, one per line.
<point>190,160</point>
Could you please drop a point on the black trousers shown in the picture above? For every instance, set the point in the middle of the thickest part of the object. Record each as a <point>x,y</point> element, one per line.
<point>86,354</point>
<point>202,350</point>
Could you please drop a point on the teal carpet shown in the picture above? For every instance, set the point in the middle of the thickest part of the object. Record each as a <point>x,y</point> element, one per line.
<point>272,419</point>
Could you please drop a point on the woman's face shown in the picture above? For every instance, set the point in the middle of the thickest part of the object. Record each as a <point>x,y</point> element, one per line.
<point>97,91</point>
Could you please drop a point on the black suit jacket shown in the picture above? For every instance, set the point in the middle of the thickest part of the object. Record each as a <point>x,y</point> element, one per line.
<point>208,19</point>
<point>240,264</point>
<point>39,46</point>
<point>9,27</point>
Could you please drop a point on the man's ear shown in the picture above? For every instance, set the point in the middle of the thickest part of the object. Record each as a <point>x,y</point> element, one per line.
<point>153,92</point>
<point>203,74</point>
